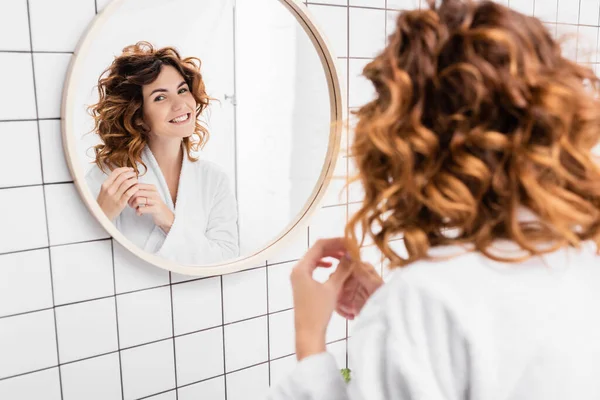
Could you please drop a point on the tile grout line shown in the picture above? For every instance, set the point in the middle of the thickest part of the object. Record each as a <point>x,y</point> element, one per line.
<point>112,251</point>
<point>223,333</point>
<point>173,333</point>
<point>347,123</point>
<point>37,114</point>
<point>268,325</point>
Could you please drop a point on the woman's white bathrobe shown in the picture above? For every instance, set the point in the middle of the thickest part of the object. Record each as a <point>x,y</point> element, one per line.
<point>205,228</point>
<point>470,328</point>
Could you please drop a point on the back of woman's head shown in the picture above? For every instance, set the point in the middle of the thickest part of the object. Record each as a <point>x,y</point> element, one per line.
<point>477,117</point>
<point>118,115</point>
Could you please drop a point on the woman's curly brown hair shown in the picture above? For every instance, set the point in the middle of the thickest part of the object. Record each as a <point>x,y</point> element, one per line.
<point>477,116</point>
<point>118,117</point>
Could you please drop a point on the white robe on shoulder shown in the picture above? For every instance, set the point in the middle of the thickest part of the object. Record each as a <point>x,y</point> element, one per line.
<point>205,229</point>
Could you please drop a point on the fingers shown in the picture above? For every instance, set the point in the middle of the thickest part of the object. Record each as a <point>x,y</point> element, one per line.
<point>125,185</point>
<point>321,249</point>
<point>345,313</point>
<point>115,174</point>
<point>137,201</point>
<point>128,194</point>
<point>148,187</point>
<point>149,209</point>
<point>324,264</point>
<point>342,272</point>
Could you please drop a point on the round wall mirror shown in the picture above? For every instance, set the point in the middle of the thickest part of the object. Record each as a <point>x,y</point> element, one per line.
<point>202,134</point>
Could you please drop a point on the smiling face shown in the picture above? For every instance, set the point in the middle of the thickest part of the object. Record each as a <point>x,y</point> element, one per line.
<point>169,108</point>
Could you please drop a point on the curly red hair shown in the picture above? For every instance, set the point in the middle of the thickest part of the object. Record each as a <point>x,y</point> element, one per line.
<point>477,115</point>
<point>118,114</point>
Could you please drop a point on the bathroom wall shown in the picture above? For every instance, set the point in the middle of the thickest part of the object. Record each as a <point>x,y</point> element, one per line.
<point>82,319</point>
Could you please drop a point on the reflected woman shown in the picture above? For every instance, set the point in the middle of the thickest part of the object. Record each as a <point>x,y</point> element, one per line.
<point>146,179</point>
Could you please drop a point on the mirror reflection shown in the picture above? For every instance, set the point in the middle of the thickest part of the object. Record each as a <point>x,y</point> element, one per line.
<point>201,134</point>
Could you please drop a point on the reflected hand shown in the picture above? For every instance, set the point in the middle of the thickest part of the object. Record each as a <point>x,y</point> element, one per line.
<point>116,191</point>
<point>361,284</point>
<point>147,200</point>
<point>315,302</point>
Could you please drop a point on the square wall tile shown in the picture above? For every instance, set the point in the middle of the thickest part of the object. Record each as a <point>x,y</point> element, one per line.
<point>291,248</point>
<point>148,369</point>
<point>329,222</point>
<point>281,368</point>
<point>86,329</point>
<point>69,221</point>
<point>197,305</point>
<point>280,287</point>
<point>391,17</point>
<point>97,378</point>
<point>244,295</point>
<point>336,329</point>
<point>172,395</point>
<point>589,12</point>
<point>403,4</point>
<point>25,282</point>
<point>546,10</point>
<point>47,34</point>
<point>366,42</point>
<point>356,192</point>
<point>353,209</point>
<point>334,23</point>
<point>14,26</point>
<point>82,271</point>
<point>338,350</point>
<point>19,154</point>
<point>336,191</point>
<point>368,3</point>
<point>241,352</point>
<point>50,74</point>
<point>282,337</point>
<point>144,316</point>
<point>199,356</point>
<point>39,385</point>
<point>17,79</point>
<point>360,89</point>
<point>567,36</point>
<point>23,210</point>
<point>335,2</point>
<point>522,6</point>
<point>27,343</point>
<point>251,383</point>
<point>587,44</point>
<point>213,389</point>
<point>53,155</point>
<point>567,12</point>
<point>133,273</point>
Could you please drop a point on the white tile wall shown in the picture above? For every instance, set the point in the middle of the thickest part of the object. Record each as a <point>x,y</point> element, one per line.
<point>148,369</point>
<point>82,271</point>
<point>240,352</point>
<point>144,316</point>
<point>253,284</point>
<point>53,159</point>
<point>86,329</point>
<point>199,356</point>
<point>17,79</point>
<point>96,378</point>
<point>209,389</point>
<point>37,385</point>
<point>20,147</point>
<point>25,282</point>
<point>14,28</point>
<point>197,305</point>
<point>80,317</point>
